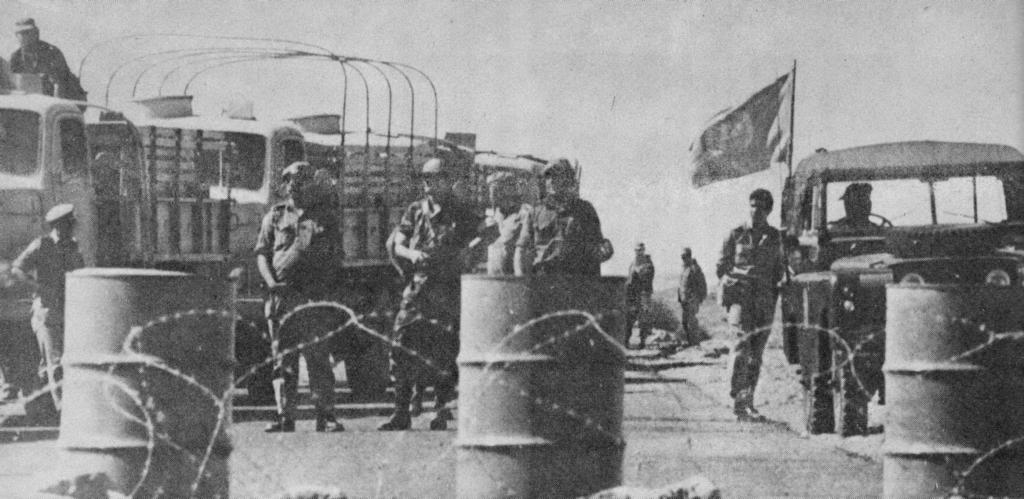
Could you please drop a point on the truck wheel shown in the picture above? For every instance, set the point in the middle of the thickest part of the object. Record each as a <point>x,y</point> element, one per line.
<point>818,391</point>
<point>850,399</point>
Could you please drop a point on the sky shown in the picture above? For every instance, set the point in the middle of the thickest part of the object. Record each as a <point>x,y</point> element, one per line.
<point>622,87</point>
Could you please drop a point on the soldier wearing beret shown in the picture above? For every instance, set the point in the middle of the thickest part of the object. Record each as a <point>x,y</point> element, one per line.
<point>298,254</point>
<point>430,242</point>
<point>50,257</point>
<point>564,231</point>
<point>35,56</point>
<point>750,269</point>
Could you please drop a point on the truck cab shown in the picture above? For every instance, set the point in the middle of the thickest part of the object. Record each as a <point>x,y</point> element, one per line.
<point>941,212</point>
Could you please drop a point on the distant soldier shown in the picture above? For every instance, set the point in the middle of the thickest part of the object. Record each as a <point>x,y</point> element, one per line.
<point>693,288</point>
<point>563,230</point>
<point>639,287</point>
<point>298,254</point>
<point>750,270</point>
<point>35,56</point>
<point>430,242</point>
<point>50,257</point>
<point>857,204</point>
<point>505,220</point>
<point>5,75</point>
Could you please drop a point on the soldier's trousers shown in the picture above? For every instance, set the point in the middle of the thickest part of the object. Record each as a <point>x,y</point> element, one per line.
<point>298,335</point>
<point>688,325</point>
<point>48,326</point>
<point>750,319</point>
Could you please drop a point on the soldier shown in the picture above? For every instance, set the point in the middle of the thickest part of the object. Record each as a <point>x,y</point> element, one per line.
<point>506,218</point>
<point>693,288</point>
<point>38,57</point>
<point>51,256</point>
<point>298,254</point>
<point>750,270</point>
<point>563,230</point>
<point>431,241</point>
<point>857,204</point>
<point>639,287</point>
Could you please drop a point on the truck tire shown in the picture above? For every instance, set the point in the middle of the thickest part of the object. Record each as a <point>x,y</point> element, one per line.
<point>818,404</point>
<point>850,398</point>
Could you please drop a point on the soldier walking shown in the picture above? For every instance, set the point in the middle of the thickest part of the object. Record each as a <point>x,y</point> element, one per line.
<point>563,231</point>
<point>693,288</point>
<point>431,241</point>
<point>50,257</point>
<point>639,287</point>
<point>298,254</point>
<point>750,270</point>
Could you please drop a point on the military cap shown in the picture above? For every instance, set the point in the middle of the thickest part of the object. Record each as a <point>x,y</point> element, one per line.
<point>296,168</point>
<point>640,246</point>
<point>59,212</point>
<point>26,24</point>
<point>857,191</point>
<point>559,167</point>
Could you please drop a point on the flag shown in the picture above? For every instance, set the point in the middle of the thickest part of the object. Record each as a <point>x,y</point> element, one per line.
<point>745,139</point>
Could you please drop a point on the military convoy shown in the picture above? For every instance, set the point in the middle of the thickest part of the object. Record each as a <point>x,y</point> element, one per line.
<point>943,213</point>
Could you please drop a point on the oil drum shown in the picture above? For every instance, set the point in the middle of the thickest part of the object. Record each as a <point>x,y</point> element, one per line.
<point>541,377</point>
<point>954,376</point>
<point>148,366</point>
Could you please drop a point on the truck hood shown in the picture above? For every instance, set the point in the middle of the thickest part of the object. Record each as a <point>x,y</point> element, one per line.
<point>954,240</point>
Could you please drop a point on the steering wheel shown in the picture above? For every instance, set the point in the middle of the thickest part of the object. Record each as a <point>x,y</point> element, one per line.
<point>882,221</point>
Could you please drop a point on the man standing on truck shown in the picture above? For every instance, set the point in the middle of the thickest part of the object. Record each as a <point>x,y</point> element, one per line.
<point>639,287</point>
<point>430,241</point>
<point>750,270</point>
<point>298,253</point>
<point>35,56</point>
<point>693,288</point>
<point>50,257</point>
<point>563,230</point>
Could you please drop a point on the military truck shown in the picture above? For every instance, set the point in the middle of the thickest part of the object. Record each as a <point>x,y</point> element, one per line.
<point>942,212</point>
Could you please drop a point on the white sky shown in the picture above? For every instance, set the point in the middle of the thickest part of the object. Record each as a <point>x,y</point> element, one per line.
<point>624,87</point>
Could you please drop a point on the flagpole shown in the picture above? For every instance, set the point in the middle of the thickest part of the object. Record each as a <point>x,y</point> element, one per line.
<point>792,119</point>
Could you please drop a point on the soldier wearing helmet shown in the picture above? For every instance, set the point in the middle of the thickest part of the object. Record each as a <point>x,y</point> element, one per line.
<point>563,231</point>
<point>750,269</point>
<point>430,242</point>
<point>50,257</point>
<point>298,253</point>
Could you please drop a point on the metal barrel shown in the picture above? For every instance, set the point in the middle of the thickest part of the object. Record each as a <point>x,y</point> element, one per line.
<point>954,379</point>
<point>540,386</point>
<point>147,376</point>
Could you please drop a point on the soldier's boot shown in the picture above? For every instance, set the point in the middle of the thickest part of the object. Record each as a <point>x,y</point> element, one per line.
<point>400,420</point>
<point>327,423</point>
<point>442,414</point>
<point>743,409</point>
<point>284,424</point>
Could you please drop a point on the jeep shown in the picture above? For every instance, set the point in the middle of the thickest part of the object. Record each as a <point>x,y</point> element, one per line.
<point>940,212</point>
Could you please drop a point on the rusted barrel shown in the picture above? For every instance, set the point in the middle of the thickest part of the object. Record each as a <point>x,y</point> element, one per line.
<point>147,363</point>
<point>540,386</point>
<point>954,379</point>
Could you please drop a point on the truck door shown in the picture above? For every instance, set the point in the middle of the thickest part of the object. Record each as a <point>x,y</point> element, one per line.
<point>71,182</point>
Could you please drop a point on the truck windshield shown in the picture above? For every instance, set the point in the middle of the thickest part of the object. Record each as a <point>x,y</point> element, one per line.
<point>19,142</point>
<point>957,200</point>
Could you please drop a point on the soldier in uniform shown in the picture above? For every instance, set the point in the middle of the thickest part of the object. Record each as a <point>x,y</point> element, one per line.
<point>505,220</point>
<point>639,287</point>
<point>35,56</point>
<point>298,254</point>
<point>563,231</point>
<point>51,256</point>
<point>430,241</point>
<point>693,288</point>
<point>750,270</point>
<point>857,204</point>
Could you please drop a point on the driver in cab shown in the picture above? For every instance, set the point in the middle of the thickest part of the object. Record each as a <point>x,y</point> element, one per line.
<point>857,203</point>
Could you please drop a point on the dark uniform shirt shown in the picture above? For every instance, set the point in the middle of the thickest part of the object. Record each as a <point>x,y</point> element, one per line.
<point>47,59</point>
<point>692,284</point>
<point>641,276</point>
<point>752,253</point>
<point>442,231</point>
<point>303,245</point>
<point>51,260</point>
<point>566,237</point>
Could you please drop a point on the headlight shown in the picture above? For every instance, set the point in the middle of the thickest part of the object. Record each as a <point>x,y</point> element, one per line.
<point>997,277</point>
<point>912,278</point>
